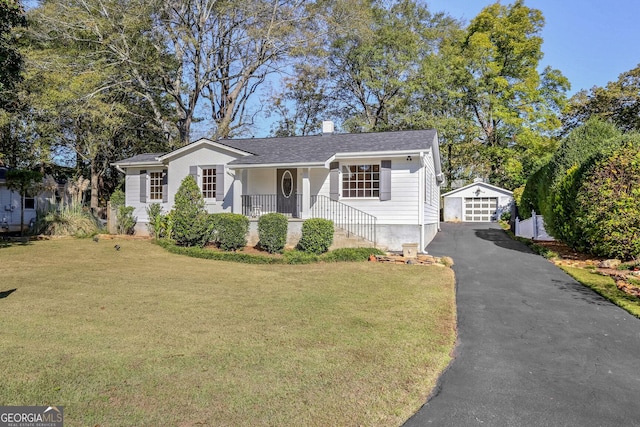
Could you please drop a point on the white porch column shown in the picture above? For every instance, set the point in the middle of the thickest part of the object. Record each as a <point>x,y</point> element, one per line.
<point>238,179</point>
<point>306,194</point>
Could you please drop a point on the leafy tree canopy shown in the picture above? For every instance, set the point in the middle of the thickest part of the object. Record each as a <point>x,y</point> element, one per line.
<point>618,102</point>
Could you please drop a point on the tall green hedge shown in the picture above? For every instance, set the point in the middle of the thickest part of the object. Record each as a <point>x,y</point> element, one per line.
<point>584,142</point>
<point>564,208</point>
<point>535,191</point>
<point>593,138</point>
<point>608,204</point>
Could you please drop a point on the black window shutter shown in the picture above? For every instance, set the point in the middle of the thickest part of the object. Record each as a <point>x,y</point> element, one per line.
<point>143,186</point>
<point>385,180</point>
<point>219,182</point>
<point>165,186</point>
<point>334,180</point>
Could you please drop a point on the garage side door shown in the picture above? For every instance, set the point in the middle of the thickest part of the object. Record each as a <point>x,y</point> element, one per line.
<point>480,209</point>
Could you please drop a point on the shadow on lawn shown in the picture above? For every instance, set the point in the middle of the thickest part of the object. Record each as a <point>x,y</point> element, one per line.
<point>5,294</point>
<point>7,242</point>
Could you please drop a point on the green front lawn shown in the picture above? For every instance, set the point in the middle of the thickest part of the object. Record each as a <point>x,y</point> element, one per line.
<point>144,337</point>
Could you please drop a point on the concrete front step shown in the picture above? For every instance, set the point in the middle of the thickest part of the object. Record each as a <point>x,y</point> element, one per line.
<point>342,239</point>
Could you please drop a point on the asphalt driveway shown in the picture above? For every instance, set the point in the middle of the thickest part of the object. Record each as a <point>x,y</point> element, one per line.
<point>535,348</point>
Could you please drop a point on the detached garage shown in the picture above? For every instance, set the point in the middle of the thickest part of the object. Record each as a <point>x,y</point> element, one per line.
<point>477,202</point>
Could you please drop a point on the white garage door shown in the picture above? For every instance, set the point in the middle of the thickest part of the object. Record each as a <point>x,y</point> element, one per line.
<point>480,209</point>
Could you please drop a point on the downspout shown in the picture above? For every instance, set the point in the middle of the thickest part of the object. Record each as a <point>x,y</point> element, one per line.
<point>435,149</point>
<point>423,198</point>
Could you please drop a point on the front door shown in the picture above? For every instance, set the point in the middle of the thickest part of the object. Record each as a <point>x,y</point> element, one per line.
<point>287,192</point>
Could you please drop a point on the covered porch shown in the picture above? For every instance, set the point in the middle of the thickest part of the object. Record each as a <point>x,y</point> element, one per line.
<point>299,194</point>
<point>289,191</point>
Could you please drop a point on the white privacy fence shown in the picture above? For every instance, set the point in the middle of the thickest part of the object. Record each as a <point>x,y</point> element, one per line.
<point>532,228</point>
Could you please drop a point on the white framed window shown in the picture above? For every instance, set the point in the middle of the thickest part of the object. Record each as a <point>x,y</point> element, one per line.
<point>155,185</point>
<point>209,183</point>
<point>361,181</point>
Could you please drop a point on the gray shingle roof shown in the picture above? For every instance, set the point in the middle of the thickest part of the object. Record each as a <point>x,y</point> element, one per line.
<point>141,158</point>
<point>320,148</point>
<point>314,149</point>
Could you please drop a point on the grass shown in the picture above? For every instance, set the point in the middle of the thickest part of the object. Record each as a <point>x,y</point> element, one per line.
<point>605,286</point>
<point>144,337</point>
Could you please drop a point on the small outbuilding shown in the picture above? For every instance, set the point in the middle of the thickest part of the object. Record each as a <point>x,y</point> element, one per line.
<point>476,202</point>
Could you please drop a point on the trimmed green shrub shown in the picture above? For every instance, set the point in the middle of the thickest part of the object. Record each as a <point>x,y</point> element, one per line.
<point>350,254</point>
<point>191,225</point>
<point>229,230</point>
<point>317,236</point>
<point>272,231</point>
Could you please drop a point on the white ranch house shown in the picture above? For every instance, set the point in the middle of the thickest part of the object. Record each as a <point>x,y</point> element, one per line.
<point>383,187</point>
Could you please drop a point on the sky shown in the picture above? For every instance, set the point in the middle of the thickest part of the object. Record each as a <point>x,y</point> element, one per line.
<point>591,42</point>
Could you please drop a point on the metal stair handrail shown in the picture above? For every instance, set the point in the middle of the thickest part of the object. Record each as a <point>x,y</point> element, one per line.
<point>352,220</point>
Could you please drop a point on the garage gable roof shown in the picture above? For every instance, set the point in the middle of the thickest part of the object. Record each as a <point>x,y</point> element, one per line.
<point>480,184</point>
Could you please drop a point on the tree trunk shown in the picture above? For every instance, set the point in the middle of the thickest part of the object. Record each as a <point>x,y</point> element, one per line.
<point>95,178</point>
<point>22,197</point>
<point>449,164</point>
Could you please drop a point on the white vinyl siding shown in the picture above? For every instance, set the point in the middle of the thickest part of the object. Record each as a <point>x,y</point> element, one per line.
<point>431,205</point>
<point>404,206</point>
<point>132,193</point>
<point>261,181</point>
<point>207,157</point>
<point>319,182</point>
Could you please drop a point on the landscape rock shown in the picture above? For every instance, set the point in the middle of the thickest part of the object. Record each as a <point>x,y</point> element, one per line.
<point>609,263</point>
